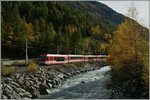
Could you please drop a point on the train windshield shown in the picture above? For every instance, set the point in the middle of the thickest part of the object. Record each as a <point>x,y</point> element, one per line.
<point>43,58</point>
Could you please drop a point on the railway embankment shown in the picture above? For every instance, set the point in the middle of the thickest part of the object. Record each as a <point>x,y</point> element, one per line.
<point>32,85</point>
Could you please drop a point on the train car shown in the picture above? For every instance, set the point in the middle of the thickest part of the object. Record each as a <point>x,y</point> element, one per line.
<point>62,59</point>
<point>76,58</point>
<point>53,59</point>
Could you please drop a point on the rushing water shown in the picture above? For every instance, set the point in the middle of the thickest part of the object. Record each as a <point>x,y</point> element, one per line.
<point>90,85</point>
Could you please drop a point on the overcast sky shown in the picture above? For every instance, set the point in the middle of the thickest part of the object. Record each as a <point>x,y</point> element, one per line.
<point>122,7</point>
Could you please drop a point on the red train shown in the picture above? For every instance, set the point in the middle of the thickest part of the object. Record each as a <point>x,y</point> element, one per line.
<point>62,59</point>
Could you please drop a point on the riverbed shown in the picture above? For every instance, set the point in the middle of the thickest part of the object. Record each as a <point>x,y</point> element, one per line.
<point>90,85</point>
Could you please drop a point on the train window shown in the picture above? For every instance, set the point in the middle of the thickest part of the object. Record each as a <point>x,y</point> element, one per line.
<point>76,57</point>
<point>59,58</point>
<point>92,57</point>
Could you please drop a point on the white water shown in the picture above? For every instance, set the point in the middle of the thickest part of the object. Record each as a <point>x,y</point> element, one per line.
<point>86,77</point>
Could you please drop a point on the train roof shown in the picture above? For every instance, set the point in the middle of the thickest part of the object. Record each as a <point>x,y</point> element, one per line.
<point>62,55</point>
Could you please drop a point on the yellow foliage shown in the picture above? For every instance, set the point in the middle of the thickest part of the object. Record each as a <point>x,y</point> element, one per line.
<point>7,70</point>
<point>128,52</point>
<point>71,28</point>
<point>32,67</point>
<point>95,30</point>
<point>109,59</point>
<point>103,47</point>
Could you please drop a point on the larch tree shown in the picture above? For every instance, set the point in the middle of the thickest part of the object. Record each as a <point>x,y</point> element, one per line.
<point>129,51</point>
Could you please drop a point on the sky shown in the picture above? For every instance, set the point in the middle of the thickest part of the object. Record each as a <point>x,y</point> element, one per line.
<point>122,7</point>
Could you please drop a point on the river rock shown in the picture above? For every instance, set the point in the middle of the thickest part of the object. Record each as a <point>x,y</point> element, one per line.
<point>54,86</point>
<point>49,85</point>
<point>19,90</point>
<point>31,76</point>
<point>61,76</point>
<point>4,97</point>
<point>7,90</point>
<point>34,92</point>
<point>78,72</point>
<point>13,86</point>
<point>20,80</point>
<point>16,95</point>
<point>54,82</point>
<point>8,80</point>
<point>27,83</point>
<point>14,83</point>
<point>28,94</point>
<point>42,88</point>
<point>31,81</point>
<point>82,81</point>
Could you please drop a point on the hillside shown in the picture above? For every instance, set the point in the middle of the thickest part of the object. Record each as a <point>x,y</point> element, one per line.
<point>98,9</point>
<point>68,27</point>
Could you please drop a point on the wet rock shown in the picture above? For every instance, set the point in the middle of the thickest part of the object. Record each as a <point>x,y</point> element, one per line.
<point>28,94</point>
<point>69,74</point>
<point>25,98</point>
<point>82,81</point>
<point>61,76</point>
<point>78,72</point>
<point>54,82</point>
<point>54,86</point>
<point>49,85</point>
<point>34,92</point>
<point>42,88</point>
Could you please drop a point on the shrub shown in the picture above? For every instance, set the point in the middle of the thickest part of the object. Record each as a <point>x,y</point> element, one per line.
<point>7,70</point>
<point>32,67</point>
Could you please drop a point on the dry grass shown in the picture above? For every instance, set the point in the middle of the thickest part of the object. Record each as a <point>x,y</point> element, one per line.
<point>32,67</point>
<point>7,70</point>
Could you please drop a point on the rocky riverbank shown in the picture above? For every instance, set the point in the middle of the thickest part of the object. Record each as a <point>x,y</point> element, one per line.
<point>32,85</point>
<point>127,89</point>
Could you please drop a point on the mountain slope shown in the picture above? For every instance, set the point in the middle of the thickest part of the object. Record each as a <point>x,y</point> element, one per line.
<point>86,26</point>
<point>99,9</point>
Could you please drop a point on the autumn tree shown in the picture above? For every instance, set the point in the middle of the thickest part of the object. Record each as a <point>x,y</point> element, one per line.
<point>129,52</point>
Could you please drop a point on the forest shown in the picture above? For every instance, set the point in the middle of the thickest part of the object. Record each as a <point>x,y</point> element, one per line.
<point>51,27</point>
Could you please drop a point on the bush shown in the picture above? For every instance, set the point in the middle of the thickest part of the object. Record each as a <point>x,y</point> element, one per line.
<point>32,67</point>
<point>7,70</point>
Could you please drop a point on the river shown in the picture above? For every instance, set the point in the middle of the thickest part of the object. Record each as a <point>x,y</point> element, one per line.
<point>90,85</point>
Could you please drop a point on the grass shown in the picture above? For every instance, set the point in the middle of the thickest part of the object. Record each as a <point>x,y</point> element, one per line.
<point>7,70</point>
<point>32,67</point>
